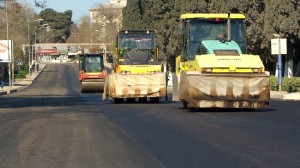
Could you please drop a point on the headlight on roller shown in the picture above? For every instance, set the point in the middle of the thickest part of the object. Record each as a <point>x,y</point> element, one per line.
<point>154,71</point>
<point>125,72</point>
<point>255,70</point>
<point>207,70</point>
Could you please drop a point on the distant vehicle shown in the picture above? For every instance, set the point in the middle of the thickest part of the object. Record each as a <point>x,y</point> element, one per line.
<point>91,73</point>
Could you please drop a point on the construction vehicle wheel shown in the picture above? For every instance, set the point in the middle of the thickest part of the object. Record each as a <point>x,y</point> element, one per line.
<point>118,100</point>
<point>130,100</point>
<point>184,104</point>
<point>143,99</point>
<point>154,99</point>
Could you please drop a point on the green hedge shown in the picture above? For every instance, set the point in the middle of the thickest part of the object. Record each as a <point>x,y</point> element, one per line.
<point>23,73</point>
<point>288,84</point>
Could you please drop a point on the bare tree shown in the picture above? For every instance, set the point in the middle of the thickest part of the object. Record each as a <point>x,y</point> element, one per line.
<point>106,21</point>
<point>17,27</point>
<point>84,30</point>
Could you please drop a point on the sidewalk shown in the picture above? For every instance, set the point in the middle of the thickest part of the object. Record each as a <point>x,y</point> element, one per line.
<point>284,95</point>
<point>20,84</point>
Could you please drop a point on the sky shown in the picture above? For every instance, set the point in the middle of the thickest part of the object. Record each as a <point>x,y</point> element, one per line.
<point>79,7</point>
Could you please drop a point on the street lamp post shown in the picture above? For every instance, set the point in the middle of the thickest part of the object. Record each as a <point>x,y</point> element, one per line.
<point>9,56</point>
<point>43,28</point>
<point>77,35</point>
<point>279,62</point>
<point>28,28</point>
<point>77,39</point>
<point>108,29</point>
<point>39,28</point>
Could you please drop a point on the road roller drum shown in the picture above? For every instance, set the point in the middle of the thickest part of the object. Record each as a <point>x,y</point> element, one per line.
<point>92,87</point>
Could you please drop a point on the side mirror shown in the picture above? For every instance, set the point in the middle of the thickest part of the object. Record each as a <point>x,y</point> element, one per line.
<point>157,47</point>
<point>109,58</point>
<point>183,59</point>
<point>178,50</point>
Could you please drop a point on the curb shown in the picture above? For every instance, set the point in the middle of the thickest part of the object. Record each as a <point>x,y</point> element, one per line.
<point>284,95</point>
<point>291,96</point>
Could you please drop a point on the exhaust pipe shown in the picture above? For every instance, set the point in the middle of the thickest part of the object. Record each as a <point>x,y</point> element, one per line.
<point>228,28</point>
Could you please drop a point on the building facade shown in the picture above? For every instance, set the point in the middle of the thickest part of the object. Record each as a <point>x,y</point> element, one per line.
<point>106,20</point>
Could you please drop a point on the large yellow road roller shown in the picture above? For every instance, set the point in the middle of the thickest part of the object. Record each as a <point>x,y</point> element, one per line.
<point>213,69</point>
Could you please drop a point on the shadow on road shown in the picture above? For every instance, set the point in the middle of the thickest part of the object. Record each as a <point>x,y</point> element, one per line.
<point>40,101</point>
<point>226,110</point>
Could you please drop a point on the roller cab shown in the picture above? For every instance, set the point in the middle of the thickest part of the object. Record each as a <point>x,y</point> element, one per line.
<point>91,73</point>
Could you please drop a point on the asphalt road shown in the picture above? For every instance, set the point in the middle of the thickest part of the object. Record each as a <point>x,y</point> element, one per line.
<point>50,124</point>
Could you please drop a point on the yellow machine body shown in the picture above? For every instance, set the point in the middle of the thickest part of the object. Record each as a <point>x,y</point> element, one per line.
<point>137,72</point>
<point>218,73</point>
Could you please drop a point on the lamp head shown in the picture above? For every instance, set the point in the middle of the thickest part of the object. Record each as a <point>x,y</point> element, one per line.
<point>39,20</point>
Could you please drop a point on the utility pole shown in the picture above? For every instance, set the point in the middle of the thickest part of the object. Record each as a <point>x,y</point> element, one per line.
<point>8,49</point>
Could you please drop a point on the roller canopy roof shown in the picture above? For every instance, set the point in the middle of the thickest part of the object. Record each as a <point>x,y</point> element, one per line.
<point>212,15</point>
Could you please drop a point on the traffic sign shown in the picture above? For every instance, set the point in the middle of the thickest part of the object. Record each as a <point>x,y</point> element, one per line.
<point>19,62</point>
<point>278,46</point>
<point>5,50</point>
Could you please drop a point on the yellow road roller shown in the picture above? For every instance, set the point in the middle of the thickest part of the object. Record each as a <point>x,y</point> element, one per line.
<point>213,69</point>
<point>137,72</point>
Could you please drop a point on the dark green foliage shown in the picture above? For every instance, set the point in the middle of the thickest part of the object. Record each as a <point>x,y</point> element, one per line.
<point>40,3</point>
<point>22,74</point>
<point>60,24</point>
<point>273,83</point>
<point>288,84</point>
<point>133,14</point>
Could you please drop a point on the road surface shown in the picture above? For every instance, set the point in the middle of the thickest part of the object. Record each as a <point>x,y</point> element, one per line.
<point>50,124</point>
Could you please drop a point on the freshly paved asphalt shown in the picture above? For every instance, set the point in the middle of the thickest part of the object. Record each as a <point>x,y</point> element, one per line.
<point>50,124</point>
